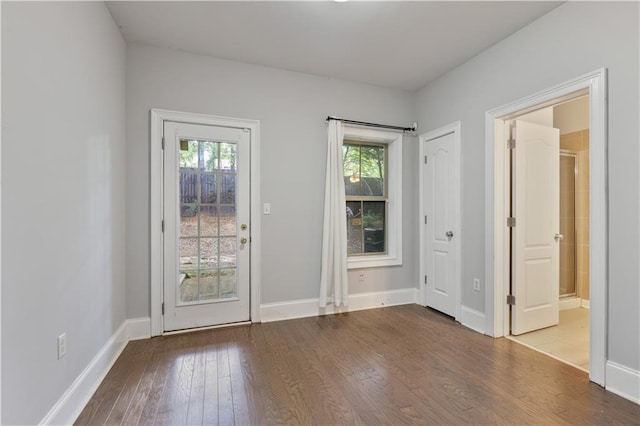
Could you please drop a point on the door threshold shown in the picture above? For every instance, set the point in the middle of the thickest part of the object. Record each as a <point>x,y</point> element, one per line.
<point>210,327</point>
<point>513,339</point>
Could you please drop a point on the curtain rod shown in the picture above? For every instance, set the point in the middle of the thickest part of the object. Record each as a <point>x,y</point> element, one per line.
<point>382,126</point>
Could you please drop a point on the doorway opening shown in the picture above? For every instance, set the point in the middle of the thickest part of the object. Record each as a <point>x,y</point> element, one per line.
<point>205,237</point>
<point>565,333</point>
<point>498,247</point>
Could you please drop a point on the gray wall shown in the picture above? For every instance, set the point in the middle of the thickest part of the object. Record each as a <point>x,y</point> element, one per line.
<point>63,175</point>
<point>292,108</point>
<point>574,39</point>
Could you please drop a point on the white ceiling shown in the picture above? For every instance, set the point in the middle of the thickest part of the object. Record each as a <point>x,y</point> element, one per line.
<point>401,45</point>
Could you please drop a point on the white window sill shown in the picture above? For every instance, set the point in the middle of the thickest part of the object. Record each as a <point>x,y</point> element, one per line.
<point>373,261</point>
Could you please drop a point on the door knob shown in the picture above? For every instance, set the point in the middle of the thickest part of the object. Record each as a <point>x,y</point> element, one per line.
<point>558,237</point>
<point>243,240</point>
<point>449,234</point>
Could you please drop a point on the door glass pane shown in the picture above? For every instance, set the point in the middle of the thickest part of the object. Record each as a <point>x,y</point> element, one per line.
<point>188,286</point>
<point>188,154</point>
<point>208,253</point>
<point>208,188</point>
<point>228,188</point>
<point>208,156</point>
<point>207,242</point>
<point>208,221</point>
<point>208,284</point>
<point>189,220</point>
<point>228,221</point>
<point>228,156</point>
<point>188,185</point>
<point>228,286</point>
<point>188,254</point>
<point>227,252</point>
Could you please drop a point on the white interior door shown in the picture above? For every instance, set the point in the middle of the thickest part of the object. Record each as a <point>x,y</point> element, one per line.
<point>441,203</point>
<point>536,245</point>
<point>206,225</point>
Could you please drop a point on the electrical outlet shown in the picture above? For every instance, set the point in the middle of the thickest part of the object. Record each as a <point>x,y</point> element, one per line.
<point>361,276</point>
<point>266,208</point>
<point>476,284</point>
<point>62,345</point>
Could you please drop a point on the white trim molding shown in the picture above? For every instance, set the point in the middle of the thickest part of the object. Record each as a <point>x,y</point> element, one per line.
<point>0,221</point>
<point>497,190</point>
<point>573,303</point>
<point>623,381</point>
<point>473,319</point>
<point>138,328</point>
<point>570,303</point>
<point>357,302</point>
<point>158,117</point>
<point>455,129</point>
<point>76,397</point>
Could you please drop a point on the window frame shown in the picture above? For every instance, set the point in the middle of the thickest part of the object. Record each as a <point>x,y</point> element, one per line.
<point>393,184</point>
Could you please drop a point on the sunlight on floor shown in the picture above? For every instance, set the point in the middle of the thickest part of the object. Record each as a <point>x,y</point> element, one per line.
<point>568,341</point>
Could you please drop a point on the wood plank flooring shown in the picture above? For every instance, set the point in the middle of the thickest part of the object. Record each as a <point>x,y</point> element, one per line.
<point>397,365</point>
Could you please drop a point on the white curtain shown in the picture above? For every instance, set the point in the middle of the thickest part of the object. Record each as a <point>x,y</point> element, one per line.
<point>333,279</point>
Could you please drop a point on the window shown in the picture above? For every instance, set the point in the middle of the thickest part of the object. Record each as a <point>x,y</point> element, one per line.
<point>372,175</point>
<point>365,168</point>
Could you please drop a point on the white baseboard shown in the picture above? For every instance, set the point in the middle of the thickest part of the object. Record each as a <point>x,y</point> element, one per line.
<point>309,307</point>
<point>573,303</point>
<point>73,401</point>
<point>570,303</point>
<point>139,328</point>
<point>623,381</point>
<point>473,319</point>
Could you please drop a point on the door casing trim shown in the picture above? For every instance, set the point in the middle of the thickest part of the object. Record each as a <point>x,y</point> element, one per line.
<point>454,128</point>
<point>158,117</point>
<point>496,191</point>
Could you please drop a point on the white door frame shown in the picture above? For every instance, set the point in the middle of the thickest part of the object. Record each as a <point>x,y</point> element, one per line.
<point>454,128</point>
<point>158,117</point>
<point>496,193</point>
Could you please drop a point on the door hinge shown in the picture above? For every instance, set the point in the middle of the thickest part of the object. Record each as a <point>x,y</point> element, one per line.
<point>162,225</point>
<point>425,279</point>
<point>162,308</point>
<point>425,219</point>
<point>511,222</point>
<point>511,299</point>
<point>425,159</point>
<point>511,144</point>
<point>163,142</point>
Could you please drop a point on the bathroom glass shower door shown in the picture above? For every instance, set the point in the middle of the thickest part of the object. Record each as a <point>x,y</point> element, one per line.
<point>568,248</point>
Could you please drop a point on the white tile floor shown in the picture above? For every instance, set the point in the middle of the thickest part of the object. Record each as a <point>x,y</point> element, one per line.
<point>568,341</point>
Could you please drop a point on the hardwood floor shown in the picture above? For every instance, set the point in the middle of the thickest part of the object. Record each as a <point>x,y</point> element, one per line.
<point>397,365</point>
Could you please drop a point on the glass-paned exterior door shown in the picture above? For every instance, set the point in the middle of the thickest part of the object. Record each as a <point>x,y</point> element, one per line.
<point>206,225</point>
